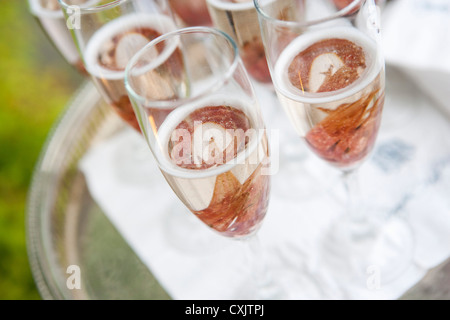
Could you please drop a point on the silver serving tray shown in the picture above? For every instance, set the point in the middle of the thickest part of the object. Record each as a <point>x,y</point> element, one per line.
<point>65,224</point>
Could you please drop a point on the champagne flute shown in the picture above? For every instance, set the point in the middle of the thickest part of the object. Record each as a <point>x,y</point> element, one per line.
<point>211,145</point>
<point>51,19</point>
<point>239,19</point>
<point>328,70</point>
<point>191,12</point>
<point>108,34</point>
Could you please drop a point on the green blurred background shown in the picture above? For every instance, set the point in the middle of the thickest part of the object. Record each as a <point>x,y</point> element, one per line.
<point>36,83</point>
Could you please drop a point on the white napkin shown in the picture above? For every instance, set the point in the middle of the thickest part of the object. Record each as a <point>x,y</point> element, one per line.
<point>416,37</point>
<point>408,176</point>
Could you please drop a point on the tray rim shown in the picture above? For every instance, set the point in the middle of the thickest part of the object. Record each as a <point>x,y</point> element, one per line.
<point>83,102</point>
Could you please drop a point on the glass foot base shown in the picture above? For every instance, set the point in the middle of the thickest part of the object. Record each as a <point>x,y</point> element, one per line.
<point>367,254</point>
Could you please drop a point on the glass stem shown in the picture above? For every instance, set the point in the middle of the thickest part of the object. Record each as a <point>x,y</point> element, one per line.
<point>352,189</point>
<point>265,287</point>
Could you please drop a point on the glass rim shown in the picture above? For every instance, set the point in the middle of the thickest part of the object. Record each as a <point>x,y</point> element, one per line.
<point>210,88</point>
<point>94,7</point>
<point>339,14</point>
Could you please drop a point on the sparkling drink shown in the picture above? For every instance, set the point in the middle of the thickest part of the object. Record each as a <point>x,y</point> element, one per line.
<point>217,164</point>
<point>332,87</point>
<point>191,12</point>
<point>239,19</point>
<point>109,50</point>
